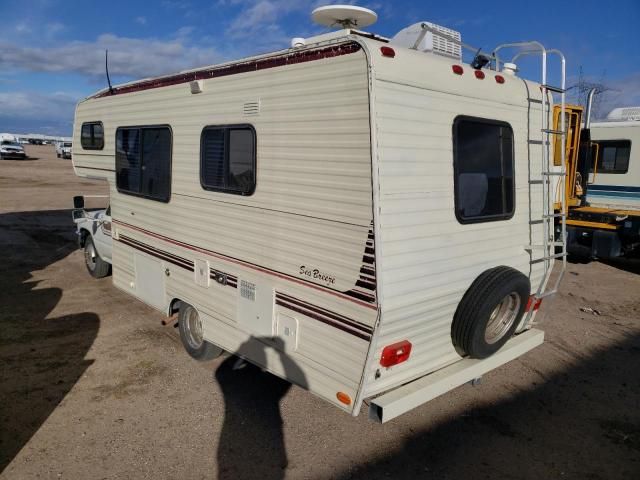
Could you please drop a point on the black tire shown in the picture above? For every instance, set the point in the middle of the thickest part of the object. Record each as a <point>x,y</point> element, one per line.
<point>192,340</point>
<point>58,155</point>
<point>96,266</point>
<point>490,312</point>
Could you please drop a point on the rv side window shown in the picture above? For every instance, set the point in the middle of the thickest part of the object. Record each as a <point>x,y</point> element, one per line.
<point>613,156</point>
<point>483,170</point>
<point>143,162</point>
<point>228,159</point>
<point>92,136</point>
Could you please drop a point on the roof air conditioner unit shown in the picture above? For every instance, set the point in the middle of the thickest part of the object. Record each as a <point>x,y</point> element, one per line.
<point>431,42</point>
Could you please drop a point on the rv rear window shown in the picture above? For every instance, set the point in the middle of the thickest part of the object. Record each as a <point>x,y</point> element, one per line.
<point>228,159</point>
<point>483,170</point>
<point>613,156</point>
<point>92,136</point>
<point>143,162</point>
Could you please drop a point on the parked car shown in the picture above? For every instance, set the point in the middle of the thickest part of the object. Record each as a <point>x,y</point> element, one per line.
<point>11,149</point>
<point>94,236</point>
<point>63,149</point>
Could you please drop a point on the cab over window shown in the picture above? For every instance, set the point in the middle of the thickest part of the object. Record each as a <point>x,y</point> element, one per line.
<point>143,162</point>
<point>228,159</point>
<point>92,136</point>
<point>483,170</point>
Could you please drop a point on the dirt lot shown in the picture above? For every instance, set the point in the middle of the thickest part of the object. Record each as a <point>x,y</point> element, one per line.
<point>92,386</point>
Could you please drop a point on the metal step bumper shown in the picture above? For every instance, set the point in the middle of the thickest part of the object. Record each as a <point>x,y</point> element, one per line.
<point>411,395</point>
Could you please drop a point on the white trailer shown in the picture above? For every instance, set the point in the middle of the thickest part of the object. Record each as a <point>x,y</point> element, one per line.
<point>615,182</point>
<point>376,215</point>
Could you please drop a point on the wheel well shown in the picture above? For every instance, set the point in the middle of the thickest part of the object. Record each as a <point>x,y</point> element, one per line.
<point>83,236</point>
<point>174,306</point>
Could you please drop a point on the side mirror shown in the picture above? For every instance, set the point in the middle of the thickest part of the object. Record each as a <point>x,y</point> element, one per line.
<point>78,201</point>
<point>78,214</point>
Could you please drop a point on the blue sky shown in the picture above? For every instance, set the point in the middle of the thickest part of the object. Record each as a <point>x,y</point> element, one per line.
<point>52,52</point>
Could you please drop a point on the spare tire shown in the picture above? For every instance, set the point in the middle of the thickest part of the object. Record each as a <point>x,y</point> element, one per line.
<point>490,311</point>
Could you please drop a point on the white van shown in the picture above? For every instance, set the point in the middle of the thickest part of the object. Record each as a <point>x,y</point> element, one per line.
<point>376,214</point>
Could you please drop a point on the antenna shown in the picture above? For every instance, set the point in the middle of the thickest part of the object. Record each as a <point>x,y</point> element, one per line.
<point>344,16</point>
<point>106,67</point>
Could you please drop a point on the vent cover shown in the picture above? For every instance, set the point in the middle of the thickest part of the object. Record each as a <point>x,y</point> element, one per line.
<point>248,290</point>
<point>252,108</point>
<point>432,42</point>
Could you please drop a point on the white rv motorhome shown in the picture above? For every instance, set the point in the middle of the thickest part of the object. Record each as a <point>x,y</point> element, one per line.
<point>616,179</point>
<point>375,213</point>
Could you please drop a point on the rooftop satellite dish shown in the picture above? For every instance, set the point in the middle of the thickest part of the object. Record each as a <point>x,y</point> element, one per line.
<point>344,16</point>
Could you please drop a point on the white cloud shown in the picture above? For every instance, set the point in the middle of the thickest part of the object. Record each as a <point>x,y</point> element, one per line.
<point>141,20</point>
<point>54,28</point>
<point>22,28</point>
<point>624,92</point>
<point>262,12</point>
<point>35,112</point>
<point>130,57</point>
<point>36,105</point>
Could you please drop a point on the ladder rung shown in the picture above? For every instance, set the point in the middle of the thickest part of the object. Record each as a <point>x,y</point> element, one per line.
<point>546,217</point>
<point>552,131</point>
<point>550,244</point>
<point>536,182</point>
<point>539,142</point>
<point>555,174</point>
<point>551,88</point>
<point>548,257</point>
<point>547,294</point>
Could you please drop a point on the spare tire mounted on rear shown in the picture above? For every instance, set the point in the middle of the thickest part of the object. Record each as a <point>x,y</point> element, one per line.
<point>490,311</point>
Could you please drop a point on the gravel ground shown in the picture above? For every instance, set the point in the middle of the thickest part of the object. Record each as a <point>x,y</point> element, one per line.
<point>92,386</point>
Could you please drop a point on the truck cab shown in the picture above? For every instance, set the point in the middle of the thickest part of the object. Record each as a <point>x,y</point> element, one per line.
<point>93,228</point>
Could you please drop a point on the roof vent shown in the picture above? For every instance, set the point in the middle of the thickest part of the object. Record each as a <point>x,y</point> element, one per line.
<point>624,114</point>
<point>429,37</point>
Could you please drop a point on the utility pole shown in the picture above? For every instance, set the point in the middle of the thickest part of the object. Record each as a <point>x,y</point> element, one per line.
<point>580,92</point>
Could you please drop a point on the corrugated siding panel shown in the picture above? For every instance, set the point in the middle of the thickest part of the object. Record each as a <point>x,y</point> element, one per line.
<point>312,204</point>
<point>429,258</point>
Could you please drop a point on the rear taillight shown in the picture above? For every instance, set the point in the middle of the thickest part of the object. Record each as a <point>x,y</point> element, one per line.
<point>533,303</point>
<point>387,52</point>
<point>396,353</point>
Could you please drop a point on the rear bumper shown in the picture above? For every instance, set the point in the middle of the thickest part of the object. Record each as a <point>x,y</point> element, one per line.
<point>407,397</point>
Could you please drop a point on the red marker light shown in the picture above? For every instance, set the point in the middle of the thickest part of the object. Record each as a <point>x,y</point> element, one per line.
<point>457,69</point>
<point>499,79</point>
<point>533,303</point>
<point>387,52</point>
<point>396,353</point>
<point>479,74</point>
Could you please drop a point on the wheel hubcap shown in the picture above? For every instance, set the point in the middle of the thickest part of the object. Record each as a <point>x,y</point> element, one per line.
<point>502,318</point>
<point>193,328</point>
<point>90,257</point>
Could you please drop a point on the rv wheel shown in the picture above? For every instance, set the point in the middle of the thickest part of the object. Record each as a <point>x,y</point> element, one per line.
<point>490,311</point>
<point>190,327</point>
<point>97,267</point>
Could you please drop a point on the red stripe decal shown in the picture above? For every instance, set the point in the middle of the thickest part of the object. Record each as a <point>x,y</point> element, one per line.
<point>323,311</point>
<point>284,276</point>
<point>323,319</point>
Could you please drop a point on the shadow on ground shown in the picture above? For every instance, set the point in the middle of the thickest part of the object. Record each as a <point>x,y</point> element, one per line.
<point>579,424</point>
<point>251,442</point>
<point>41,358</point>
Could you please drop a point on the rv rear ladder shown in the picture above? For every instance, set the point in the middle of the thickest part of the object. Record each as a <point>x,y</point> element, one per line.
<point>549,244</point>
